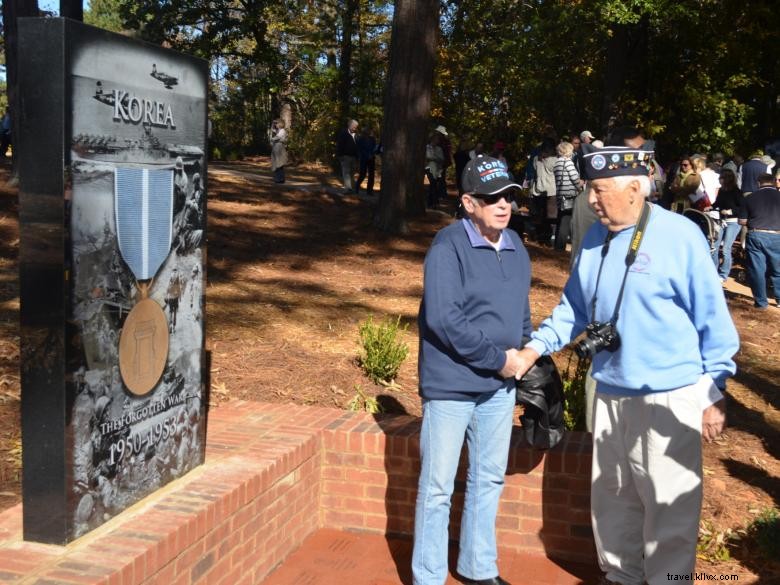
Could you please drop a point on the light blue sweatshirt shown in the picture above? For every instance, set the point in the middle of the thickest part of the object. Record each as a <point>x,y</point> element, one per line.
<point>674,323</point>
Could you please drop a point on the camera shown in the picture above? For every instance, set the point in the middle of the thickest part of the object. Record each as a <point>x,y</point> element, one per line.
<point>598,336</point>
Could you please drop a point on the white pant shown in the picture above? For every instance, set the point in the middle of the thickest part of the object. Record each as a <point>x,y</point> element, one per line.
<point>646,488</point>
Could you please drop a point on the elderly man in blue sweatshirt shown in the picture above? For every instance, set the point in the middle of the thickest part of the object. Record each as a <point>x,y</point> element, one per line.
<point>472,319</point>
<point>662,351</point>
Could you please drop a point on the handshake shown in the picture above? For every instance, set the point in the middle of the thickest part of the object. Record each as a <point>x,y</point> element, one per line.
<point>518,362</point>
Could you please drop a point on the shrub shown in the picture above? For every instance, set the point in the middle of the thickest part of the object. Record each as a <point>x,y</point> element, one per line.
<point>713,545</point>
<point>574,408</point>
<point>361,402</point>
<point>383,353</point>
<point>765,532</point>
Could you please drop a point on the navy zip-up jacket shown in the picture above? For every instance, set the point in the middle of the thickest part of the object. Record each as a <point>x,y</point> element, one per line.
<point>474,307</point>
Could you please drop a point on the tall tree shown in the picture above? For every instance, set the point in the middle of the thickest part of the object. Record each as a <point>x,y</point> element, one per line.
<point>407,111</point>
<point>72,9</point>
<point>13,9</point>
<point>351,8</point>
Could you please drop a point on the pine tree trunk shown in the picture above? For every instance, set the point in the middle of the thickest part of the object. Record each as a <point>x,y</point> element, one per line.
<point>406,112</point>
<point>345,64</point>
<point>73,9</point>
<point>13,9</point>
<point>626,69</point>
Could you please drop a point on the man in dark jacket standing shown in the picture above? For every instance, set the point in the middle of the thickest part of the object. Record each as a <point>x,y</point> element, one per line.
<point>347,153</point>
<point>367,151</point>
<point>473,316</point>
<point>760,212</point>
<point>750,171</point>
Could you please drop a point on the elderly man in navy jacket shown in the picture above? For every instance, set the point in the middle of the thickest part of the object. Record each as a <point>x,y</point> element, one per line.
<point>473,316</point>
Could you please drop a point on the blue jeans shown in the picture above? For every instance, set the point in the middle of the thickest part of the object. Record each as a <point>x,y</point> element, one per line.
<point>763,252</point>
<point>486,424</point>
<point>727,236</point>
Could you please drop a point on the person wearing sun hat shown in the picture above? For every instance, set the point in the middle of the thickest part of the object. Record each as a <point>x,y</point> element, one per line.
<point>472,319</point>
<point>646,294</point>
<point>586,137</point>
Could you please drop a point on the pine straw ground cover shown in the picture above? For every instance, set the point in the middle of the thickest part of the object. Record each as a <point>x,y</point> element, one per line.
<point>294,270</point>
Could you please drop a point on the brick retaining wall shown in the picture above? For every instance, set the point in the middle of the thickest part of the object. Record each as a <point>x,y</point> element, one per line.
<point>369,482</point>
<point>276,473</point>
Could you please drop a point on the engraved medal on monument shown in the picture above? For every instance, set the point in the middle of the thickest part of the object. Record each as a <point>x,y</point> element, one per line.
<point>143,204</point>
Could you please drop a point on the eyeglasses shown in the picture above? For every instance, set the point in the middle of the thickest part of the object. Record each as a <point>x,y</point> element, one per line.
<point>493,199</point>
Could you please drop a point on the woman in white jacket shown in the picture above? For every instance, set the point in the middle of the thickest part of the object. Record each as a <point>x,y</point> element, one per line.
<point>278,150</point>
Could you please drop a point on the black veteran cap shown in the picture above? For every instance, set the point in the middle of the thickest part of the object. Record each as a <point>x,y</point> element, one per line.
<point>615,161</point>
<point>486,175</point>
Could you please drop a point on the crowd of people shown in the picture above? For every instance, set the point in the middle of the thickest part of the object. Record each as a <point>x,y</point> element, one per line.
<point>711,185</point>
<point>555,188</point>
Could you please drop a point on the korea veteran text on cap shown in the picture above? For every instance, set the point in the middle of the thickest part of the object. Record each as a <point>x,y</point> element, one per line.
<point>486,175</point>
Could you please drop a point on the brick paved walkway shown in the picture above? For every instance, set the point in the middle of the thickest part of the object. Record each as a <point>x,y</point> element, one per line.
<point>331,557</point>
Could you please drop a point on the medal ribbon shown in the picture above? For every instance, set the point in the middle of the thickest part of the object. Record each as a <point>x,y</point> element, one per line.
<point>143,208</point>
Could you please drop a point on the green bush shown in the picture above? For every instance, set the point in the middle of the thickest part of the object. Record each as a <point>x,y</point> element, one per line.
<point>765,532</point>
<point>383,352</point>
<point>713,545</point>
<point>362,402</point>
<point>574,408</point>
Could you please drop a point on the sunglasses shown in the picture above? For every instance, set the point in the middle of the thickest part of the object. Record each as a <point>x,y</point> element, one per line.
<point>493,199</point>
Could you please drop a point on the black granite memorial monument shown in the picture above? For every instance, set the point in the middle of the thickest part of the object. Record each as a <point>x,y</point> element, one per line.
<point>112,142</point>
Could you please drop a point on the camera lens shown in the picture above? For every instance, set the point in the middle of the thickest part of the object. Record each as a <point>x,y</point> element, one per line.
<point>586,348</point>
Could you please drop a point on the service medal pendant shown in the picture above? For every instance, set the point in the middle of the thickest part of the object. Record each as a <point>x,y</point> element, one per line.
<point>143,345</point>
<point>143,204</point>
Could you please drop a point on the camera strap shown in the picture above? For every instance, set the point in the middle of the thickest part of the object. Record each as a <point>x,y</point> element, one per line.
<point>633,250</point>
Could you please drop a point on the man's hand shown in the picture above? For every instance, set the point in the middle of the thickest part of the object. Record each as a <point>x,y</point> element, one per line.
<point>526,358</point>
<point>511,365</point>
<point>518,362</point>
<point>713,420</point>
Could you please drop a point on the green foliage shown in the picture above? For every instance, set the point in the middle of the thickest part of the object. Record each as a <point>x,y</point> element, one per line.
<point>688,72</point>
<point>713,545</point>
<point>383,351</point>
<point>106,14</point>
<point>268,53</point>
<point>574,402</point>
<point>684,72</point>
<point>765,532</point>
<point>362,402</point>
